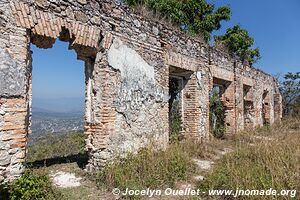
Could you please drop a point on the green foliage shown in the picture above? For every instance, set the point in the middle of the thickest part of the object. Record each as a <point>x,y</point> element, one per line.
<point>148,168</point>
<point>59,145</point>
<point>31,186</point>
<point>175,123</point>
<point>217,115</point>
<point>239,43</point>
<point>290,90</point>
<point>194,16</point>
<point>174,109</point>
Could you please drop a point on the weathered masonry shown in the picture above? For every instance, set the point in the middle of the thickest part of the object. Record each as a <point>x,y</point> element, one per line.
<point>128,63</point>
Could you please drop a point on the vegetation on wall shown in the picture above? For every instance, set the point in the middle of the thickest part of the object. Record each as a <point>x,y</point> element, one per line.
<point>194,16</point>
<point>201,18</point>
<point>217,115</point>
<point>290,90</point>
<point>239,43</point>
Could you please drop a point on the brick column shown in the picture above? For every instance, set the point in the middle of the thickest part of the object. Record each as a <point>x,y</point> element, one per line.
<point>15,98</point>
<point>277,107</point>
<point>196,106</point>
<point>191,106</point>
<point>240,107</point>
<point>102,122</point>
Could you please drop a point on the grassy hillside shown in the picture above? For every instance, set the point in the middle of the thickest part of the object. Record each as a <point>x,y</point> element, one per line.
<point>54,145</point>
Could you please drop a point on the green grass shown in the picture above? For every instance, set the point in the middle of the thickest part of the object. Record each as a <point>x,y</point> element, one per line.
<point>56,145</point>
<point>150,169</point>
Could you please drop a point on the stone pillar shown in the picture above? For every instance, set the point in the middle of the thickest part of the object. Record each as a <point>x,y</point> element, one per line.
<point>202,104</point>
<point>15,88</point>
<point>277,107</point>
<point>239,95</point>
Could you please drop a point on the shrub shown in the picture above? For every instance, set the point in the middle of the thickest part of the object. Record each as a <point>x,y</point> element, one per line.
<point>30,186</point>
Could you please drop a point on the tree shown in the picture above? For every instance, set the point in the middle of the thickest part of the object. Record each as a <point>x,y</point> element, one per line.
<point>290,90</point>
<point>194,16</point>
<point>201,17</point>
<point>239,43</point>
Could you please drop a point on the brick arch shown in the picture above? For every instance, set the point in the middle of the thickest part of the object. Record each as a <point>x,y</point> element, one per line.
<point>44,28</point>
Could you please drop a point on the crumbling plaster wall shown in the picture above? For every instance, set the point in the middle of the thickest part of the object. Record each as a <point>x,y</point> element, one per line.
<point>140,104</point>
<point>127,59</point>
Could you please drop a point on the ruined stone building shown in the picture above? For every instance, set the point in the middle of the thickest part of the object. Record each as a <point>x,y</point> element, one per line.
<point>129,61</point>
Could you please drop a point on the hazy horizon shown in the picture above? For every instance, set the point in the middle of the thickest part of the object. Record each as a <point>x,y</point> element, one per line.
<point>64,105</point>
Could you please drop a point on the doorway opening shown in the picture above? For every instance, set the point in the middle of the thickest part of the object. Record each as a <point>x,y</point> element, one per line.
<point>217,111</point>
<point>220,107</point>
<point>58,106</point>
<point>177,80</point>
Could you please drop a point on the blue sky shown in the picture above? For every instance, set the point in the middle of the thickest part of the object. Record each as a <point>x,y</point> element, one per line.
<point>57,73</point>
<point>275,26</point>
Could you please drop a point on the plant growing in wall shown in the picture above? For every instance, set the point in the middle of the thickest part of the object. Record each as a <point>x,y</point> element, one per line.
<point>193,16</point>
<point>217,114</point>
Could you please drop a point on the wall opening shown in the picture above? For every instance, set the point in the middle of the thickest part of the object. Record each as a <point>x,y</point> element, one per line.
<point>217,111</point>
<point>248,107</point>
<point>57,104</point>
<point>177,81</point>
<point>226,98</point>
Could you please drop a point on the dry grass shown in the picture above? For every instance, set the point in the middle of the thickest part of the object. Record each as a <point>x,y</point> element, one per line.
<point>148,168</point>
<point>268,157</point>
<point>264,158</point>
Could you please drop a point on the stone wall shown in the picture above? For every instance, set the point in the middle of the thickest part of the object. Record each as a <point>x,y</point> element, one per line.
<point>127,61</point>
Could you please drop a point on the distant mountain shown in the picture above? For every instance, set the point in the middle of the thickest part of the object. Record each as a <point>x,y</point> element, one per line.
<point>63,105</point>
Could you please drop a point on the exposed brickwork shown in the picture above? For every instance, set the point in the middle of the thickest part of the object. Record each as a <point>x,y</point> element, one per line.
<point>48,25</point>
<point>127,68</point>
